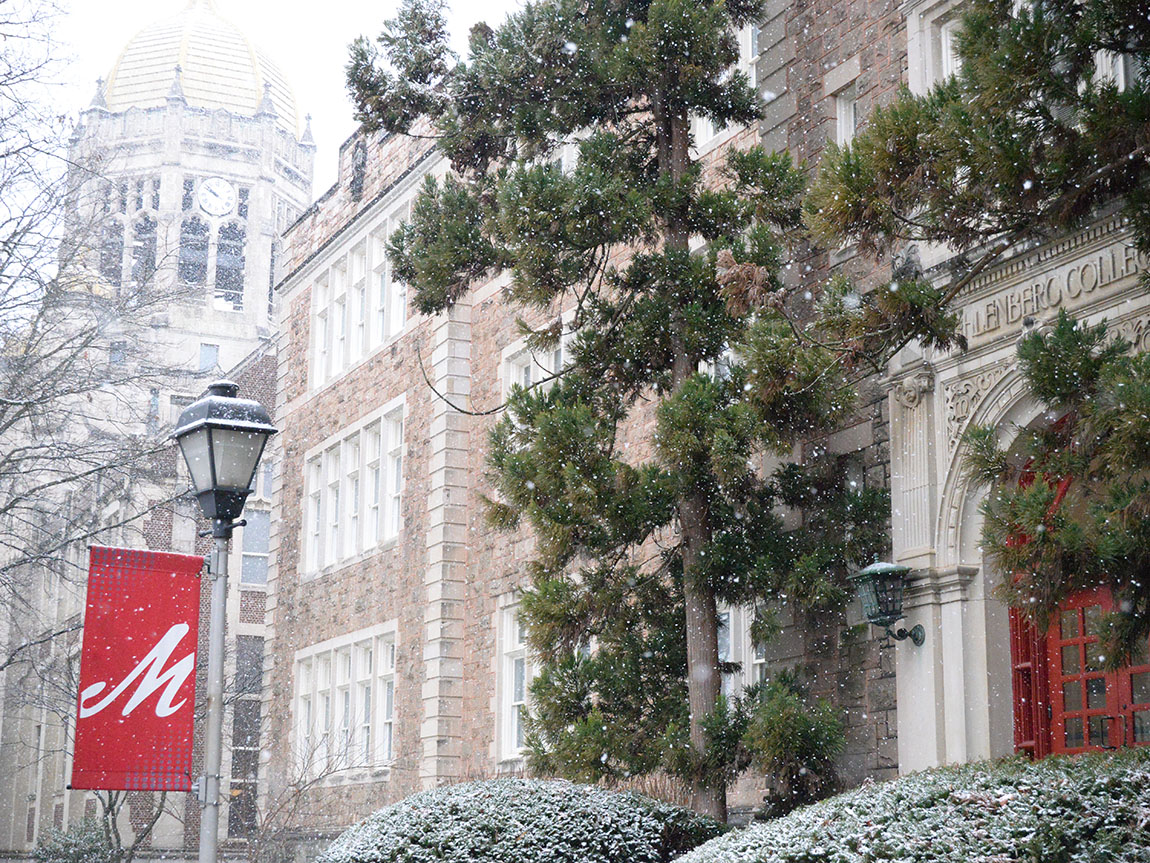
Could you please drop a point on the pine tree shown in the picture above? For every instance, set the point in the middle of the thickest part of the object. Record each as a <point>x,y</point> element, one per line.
<point>1047,122</point>
<point>634,552</point>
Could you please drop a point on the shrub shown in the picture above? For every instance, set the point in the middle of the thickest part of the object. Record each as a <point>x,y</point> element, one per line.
<point>85,842</point>
<point>523,821</point>
<point>1088,809</point>
<point>794,741</point>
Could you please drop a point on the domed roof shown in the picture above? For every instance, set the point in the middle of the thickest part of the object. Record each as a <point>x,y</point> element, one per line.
<point>219,67</point>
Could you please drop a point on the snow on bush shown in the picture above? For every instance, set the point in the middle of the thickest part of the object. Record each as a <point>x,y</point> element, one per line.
<point>1088,809</point>
<point>523,821</point>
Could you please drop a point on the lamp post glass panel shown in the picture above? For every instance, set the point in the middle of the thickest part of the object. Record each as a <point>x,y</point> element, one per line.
<point>222,438</point>
<point>880,586</point>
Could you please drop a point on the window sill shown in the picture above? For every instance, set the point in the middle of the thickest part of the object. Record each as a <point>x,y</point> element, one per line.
<point>332,568</point>
<point>358,775</point>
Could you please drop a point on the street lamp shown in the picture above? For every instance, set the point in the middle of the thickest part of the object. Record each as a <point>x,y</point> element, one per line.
<point>222,438</point>
<point>880,587</point>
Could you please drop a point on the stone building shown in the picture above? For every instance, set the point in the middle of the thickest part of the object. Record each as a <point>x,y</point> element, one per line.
<point>395,660</point>
<point>191,160</point>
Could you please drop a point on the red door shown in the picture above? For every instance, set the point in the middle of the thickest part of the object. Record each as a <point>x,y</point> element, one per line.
<point>1064,702</point>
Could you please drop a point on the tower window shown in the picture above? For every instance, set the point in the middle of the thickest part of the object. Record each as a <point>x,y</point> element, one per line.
<point>189,193</point>
<point>112,252</point>
<point>193,264</point>
<point>230,266</point>
<point>242,206</point>
<point>143,250</point>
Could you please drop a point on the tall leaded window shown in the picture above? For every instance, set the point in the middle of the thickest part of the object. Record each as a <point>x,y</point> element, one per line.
<point>112,252</point>
<point>143,250</point>
<point>193,262</point>
<point>246,735</point>
<point>230,266</point>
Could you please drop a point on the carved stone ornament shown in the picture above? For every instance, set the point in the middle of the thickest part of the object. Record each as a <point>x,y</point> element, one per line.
<point>909,391</point>
<point>963,396</point>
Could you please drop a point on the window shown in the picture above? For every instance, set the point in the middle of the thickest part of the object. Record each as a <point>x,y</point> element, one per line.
<point>725,655</point>
<point>931,27</point>
<point>760,670</point>
<point>364,713</point>
<point>374,520</point>
<point>254,568</point>
<point>357,303</point>
<point>391,296</point>
<point>704,130</point>
<point>394,475</point>
<point>385,750</point>
<point>315,512</point>
<point>143,250</point>
<point>189,197</point>
<point>355,492</point>
<point>176,405</point>
<point>242,205</point>
<point>1115,69</point>
<point>331,474</point>
<point>209,357</point>
<point>516,673</point>
<point>193,261</point>
<point>351,496</point>
<point>112,252</point>
<point>949,63</point>
<point>846,116</point>
<point>345,702</point>
<point>229,291</point>
<point>526,369</point>
<point>342,751</point>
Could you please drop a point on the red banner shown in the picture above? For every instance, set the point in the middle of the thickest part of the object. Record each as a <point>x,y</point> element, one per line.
<point>138,671</point>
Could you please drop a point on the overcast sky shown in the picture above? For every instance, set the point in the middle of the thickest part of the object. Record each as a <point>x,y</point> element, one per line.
<point>307,40</point>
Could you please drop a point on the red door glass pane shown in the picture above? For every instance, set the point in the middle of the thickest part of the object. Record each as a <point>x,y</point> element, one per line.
<point>1092,708</point>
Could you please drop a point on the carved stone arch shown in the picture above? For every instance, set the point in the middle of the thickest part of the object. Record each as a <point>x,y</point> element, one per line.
<point>1009,407</point>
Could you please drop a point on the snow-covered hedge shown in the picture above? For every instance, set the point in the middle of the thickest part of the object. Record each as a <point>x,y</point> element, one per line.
<point>1084,810</point>
<point>522,821</point>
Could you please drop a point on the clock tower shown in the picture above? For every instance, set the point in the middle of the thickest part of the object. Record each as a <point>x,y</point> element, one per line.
<point>204,162</point>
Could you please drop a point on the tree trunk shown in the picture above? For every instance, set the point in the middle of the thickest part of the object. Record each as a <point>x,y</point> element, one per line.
<point>702,620</point>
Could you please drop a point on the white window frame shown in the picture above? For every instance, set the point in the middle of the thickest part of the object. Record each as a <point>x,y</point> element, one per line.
<point>345,704</point>
<point>705,133</point>
<point>527,369</point>
<point>393,422</point>
<point>344,520</point>
<point>351,495</point>
<point>357,305</point>
<point>930,28</point>
<point>516,671</point>
<point>333,482</point>
<point>846,116</point>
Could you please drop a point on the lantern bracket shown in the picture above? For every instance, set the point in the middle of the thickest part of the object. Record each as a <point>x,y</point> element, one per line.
<point>916,634</point>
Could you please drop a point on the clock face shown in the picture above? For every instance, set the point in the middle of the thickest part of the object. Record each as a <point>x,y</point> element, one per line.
<point>216,196</point>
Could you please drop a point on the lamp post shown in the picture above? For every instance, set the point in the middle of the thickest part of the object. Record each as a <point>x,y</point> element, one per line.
<point>222,438</point>
<point>880,586</point>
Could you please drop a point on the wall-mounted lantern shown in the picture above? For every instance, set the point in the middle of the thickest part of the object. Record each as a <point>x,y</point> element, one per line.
<point>880,587</point>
